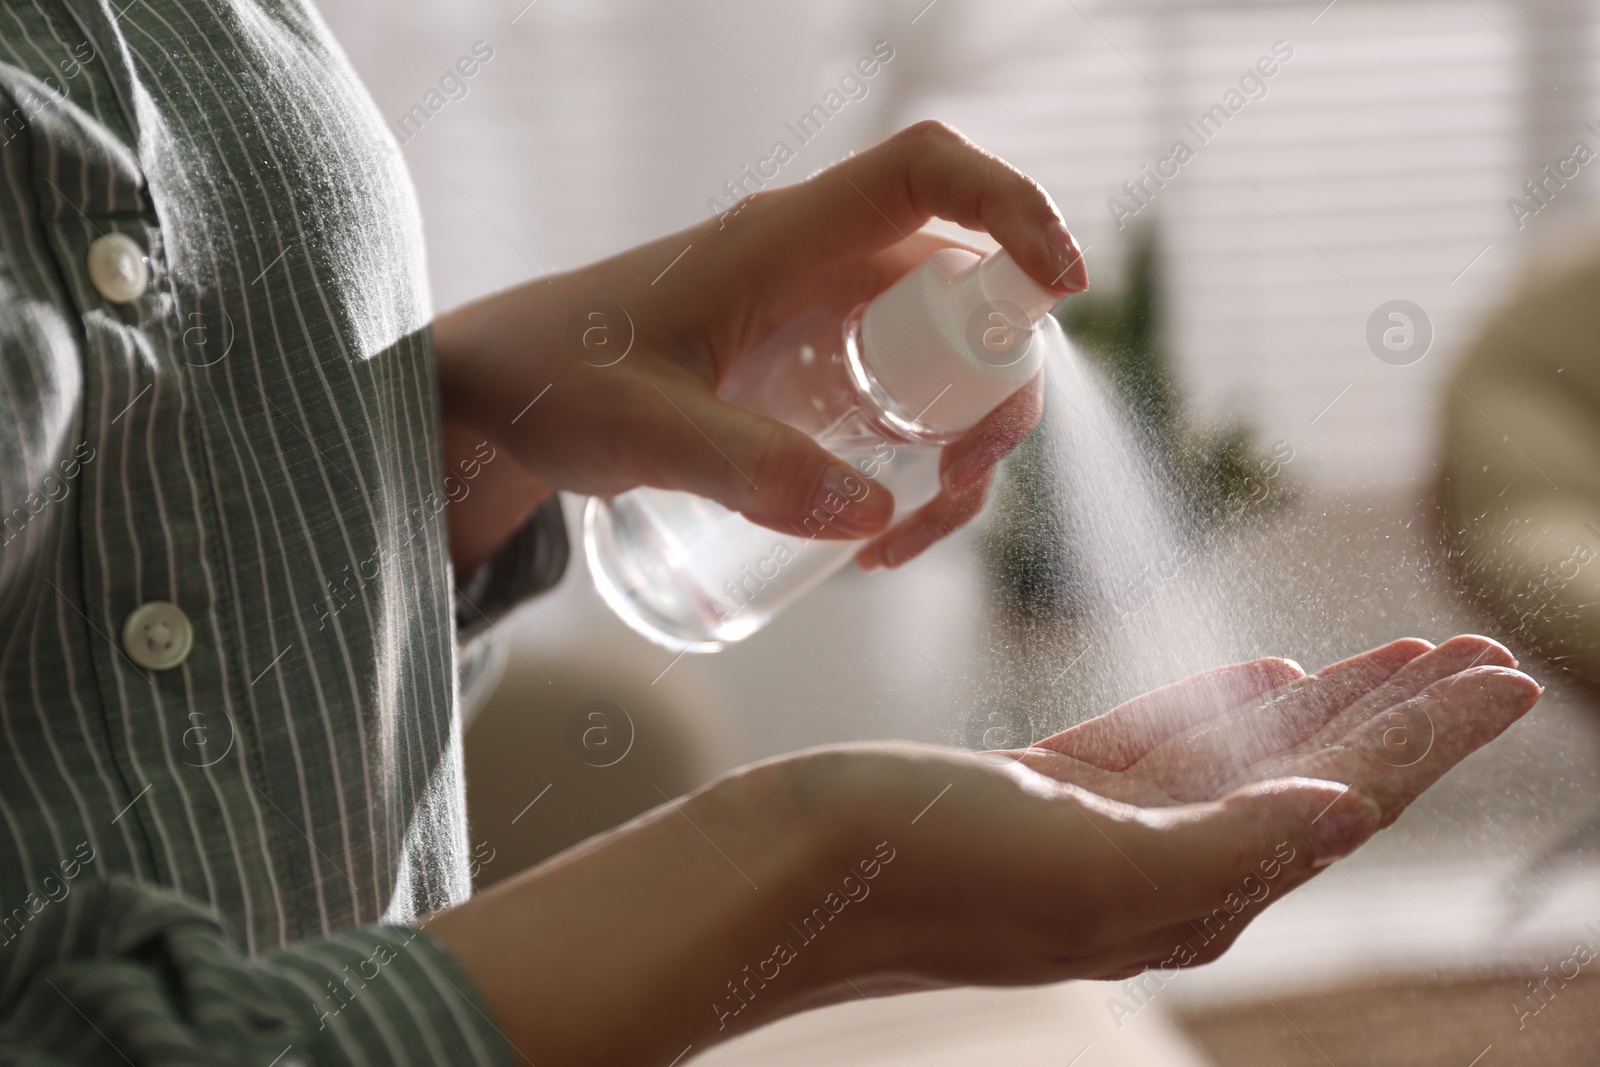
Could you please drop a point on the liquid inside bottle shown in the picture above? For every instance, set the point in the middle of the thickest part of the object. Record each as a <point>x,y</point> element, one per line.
<point>908,372</point>
<point>692,575</point>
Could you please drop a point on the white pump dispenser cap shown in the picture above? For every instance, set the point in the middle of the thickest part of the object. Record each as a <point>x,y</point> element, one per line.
<point>950,341</point>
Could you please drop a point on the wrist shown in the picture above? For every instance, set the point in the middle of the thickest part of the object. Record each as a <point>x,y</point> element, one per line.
<point>775,964</point>
<point>491,494</point>
<point>841,918</point>
<point>624,948</point>
<point>491,497</point>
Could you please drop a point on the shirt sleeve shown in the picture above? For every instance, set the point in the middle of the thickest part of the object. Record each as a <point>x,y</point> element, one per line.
<point>530,563</point>
<point>131,974</point>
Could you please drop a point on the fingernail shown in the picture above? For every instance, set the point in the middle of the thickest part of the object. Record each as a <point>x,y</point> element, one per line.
<point>1343,828</point>
<point>847,504</point>
<point>966,472</point>
<point>1069,258</point>
<point>909,545</point>
<point>1504,687</point>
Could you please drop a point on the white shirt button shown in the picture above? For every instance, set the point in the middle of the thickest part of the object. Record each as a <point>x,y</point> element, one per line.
<point>118,268</point>
<point>157,635</point>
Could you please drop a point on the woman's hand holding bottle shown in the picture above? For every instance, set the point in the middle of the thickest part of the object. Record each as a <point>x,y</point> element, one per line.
<point>687,308</point>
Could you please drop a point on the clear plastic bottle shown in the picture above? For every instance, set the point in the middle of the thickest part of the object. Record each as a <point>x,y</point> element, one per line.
<point>908,372</point>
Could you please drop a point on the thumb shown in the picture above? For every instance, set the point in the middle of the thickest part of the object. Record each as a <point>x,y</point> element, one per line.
<point>1219,865</point>
<point>1281,831</point>
<point>1322,820</point>
<point>771,473</point>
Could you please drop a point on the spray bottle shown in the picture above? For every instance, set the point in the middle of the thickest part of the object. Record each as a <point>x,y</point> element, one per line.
<point>910,371</point>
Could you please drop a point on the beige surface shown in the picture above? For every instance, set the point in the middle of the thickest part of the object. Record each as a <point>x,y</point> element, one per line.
<point>531,793</point>
<point>1468,1022</point>
<point>1055,1026</point>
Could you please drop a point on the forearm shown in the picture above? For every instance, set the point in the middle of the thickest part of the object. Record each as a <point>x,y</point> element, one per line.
<point>628,949</point>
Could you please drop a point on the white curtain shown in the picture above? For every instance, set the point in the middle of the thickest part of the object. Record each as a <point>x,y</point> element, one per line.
<point>1374,164</point>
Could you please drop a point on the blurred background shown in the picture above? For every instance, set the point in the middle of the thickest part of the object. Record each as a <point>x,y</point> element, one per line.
<point>1345,476</point>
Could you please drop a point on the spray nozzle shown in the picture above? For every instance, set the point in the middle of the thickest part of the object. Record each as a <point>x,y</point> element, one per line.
<point>997,279</point>
<point>955,337</point>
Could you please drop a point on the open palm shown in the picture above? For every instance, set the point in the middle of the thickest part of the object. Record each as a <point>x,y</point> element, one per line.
<point>1388,722</point>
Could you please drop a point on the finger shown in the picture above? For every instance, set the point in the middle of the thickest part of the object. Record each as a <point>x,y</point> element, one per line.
<point>967,461</point>
<point>1246,852</point>
<point>1194,859</point>
<point>937,519</point>
<point>1125,734</point>
<point>887,193</point>
<point>1445,723</point>
<point>845,285</point>
<point>887,266</point>
<point>1460,653</point>
<point>774,475</point>
<point>1457,654</point>
<point>1195,764</point>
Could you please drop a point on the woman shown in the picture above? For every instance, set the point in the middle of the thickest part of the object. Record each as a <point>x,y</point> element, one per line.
<point>231,782</point>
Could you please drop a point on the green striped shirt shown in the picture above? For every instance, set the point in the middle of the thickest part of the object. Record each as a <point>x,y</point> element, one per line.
<point>218,404</point>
